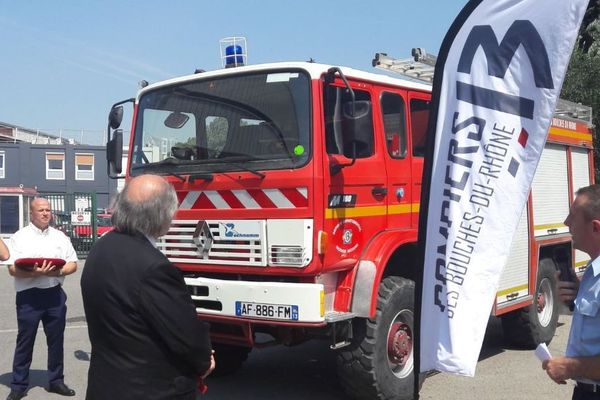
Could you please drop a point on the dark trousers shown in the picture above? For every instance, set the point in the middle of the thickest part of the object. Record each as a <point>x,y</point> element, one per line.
<point>35,305</point>
<point>579,394</point>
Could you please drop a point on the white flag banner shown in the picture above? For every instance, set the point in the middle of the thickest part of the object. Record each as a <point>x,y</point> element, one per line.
<point>503,66</point>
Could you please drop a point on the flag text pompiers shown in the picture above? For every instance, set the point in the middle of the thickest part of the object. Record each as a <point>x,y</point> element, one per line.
<point>498,58</point>
<point>502,75</point>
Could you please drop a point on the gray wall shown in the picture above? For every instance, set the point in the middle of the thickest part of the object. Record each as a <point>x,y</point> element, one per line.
<point>25,164</point>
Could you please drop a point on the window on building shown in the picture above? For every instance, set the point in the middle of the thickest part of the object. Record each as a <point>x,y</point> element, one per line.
<point>55,166</point>
<point>84,167</point>
<point>9,214</point>
<point>2,158</point>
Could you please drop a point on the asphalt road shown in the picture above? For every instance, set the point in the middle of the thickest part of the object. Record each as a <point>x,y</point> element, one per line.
<point>298,373</point>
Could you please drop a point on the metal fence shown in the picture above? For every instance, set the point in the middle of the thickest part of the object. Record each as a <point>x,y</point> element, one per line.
<point>76,214</point>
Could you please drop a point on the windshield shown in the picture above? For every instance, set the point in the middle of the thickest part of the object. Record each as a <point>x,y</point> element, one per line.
<point>247,122</point>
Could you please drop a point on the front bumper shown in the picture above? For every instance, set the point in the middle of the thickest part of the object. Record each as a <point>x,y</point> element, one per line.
<point>219,297</point>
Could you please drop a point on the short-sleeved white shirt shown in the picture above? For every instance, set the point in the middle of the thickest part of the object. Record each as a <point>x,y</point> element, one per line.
<point>31,241</point>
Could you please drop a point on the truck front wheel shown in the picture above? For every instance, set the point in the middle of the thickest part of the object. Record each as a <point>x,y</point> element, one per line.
<point>379,362</point>
<point>537,322</point>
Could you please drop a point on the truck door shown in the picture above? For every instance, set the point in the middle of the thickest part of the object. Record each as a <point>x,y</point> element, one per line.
<point>356,191</point>
<point>419,105</point>
<point>397,160</point>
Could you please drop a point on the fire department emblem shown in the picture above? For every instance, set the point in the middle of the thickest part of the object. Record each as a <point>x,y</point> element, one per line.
<point>203,238</point>
<point>347,236</point>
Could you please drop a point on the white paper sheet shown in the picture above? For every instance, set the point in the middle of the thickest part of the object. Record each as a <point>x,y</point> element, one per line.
<point>542,352</point>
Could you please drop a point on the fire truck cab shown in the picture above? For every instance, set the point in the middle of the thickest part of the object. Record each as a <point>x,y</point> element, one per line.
<point>299,187</point>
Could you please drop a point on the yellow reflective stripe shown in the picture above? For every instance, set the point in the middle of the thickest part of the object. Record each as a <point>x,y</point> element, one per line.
<point>400,209</point>
<point>512,290</point>
<point>571,134</point>
<point>370,211</point>
<point>581,263</point>
<point>549,226</point>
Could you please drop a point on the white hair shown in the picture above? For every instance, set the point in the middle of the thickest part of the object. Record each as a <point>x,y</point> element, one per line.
<point>151,216</point>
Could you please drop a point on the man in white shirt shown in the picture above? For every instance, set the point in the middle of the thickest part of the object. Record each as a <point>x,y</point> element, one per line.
<point>40,297</point>
<point>582,359</point>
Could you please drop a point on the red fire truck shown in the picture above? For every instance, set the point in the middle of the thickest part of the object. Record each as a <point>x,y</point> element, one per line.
<point>299,187</point>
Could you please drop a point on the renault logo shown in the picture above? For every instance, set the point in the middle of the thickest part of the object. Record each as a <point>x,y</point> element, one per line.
<point>203,238</point>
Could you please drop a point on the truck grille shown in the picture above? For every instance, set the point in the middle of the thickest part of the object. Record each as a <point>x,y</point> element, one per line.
<point>180,246</point>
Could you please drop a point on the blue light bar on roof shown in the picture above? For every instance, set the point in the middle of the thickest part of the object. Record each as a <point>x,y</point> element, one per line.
<point>234,56</point>
<point>234,51</point>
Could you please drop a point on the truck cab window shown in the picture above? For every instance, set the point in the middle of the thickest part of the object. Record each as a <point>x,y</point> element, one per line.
<point>419,118</point>
<point>392,110</point>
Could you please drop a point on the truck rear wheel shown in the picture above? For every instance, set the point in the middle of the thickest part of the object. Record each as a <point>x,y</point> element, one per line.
<point>379,362</point>
<point>228,358</point>
<point>537,322</point>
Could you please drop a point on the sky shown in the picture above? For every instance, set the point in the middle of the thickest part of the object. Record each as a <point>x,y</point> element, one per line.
<point>64,63</point>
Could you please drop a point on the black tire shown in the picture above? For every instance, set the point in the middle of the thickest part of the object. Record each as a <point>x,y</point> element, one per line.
<point>367,368</point>
<point>228,358</point>
<point>536,323</point>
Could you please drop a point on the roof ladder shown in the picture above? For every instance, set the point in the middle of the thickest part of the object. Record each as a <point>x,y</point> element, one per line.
<point>419,67</point>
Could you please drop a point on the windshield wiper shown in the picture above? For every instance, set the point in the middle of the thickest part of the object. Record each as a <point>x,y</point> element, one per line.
<point>252,171</point>
<point>240,166</point>
<point>166,161</point>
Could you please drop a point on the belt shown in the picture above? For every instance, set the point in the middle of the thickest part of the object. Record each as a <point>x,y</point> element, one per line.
<point>588,387</point>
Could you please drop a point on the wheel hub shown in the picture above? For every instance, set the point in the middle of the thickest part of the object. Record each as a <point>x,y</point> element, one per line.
<point>541,302</point>
<point>399,343</point>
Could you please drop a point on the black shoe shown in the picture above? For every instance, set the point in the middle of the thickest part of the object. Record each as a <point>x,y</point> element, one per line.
<point>62,389</point>
<point>16,395</point>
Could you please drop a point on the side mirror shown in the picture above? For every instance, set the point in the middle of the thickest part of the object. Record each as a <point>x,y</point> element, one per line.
<point>114,154</point>
<point>114,146</point>
<point>115,117</point>
<point>357,126</point>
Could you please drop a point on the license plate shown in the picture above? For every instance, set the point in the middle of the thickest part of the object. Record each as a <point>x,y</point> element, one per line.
<point>261,310</point>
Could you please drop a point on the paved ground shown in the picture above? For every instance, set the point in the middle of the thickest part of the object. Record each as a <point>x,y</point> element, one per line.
<point>299,373</point>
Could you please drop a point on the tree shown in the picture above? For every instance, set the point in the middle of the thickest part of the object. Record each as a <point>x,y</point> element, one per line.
<point>589,26</point>
<point>581,83</point>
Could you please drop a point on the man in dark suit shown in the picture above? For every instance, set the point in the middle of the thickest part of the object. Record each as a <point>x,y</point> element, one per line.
<point>147,342</point>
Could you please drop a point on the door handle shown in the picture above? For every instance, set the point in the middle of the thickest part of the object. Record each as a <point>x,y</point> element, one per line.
<point>379,191</point>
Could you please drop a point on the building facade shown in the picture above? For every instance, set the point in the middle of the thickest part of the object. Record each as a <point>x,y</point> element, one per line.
<point>57,168</point>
